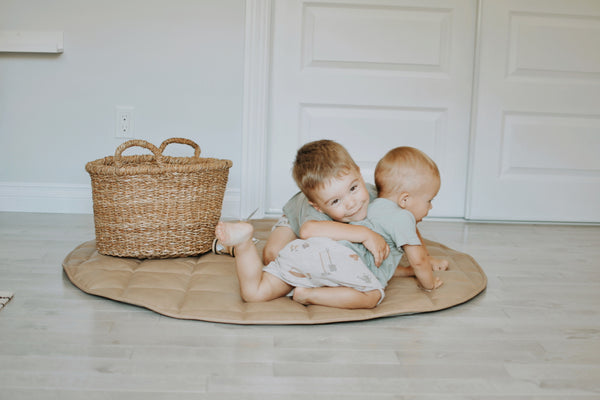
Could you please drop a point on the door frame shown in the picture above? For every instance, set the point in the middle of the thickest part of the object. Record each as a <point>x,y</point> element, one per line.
<point>255,118</point>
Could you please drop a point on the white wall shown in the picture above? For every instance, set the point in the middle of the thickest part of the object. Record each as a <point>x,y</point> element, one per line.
<point>179,63</point>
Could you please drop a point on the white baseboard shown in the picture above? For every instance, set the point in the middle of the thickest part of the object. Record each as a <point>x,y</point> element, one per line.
<point>45,198</point>
<point>73,199</point>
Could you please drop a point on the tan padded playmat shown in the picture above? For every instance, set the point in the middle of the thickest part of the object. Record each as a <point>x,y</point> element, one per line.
<point>206,288</point>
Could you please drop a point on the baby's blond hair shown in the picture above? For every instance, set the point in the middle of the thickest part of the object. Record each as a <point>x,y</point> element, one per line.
<point>318,162</point>
<point>403,169</point>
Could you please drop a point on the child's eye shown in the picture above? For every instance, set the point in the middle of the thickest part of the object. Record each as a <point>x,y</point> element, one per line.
<point>335,202</point>
<point>353,188</point>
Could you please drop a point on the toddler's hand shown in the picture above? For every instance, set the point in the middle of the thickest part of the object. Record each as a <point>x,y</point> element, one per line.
<point>437,282</point>
<point>377,245</point>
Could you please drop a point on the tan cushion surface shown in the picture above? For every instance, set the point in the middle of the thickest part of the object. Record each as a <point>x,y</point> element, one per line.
<point>206,288</point>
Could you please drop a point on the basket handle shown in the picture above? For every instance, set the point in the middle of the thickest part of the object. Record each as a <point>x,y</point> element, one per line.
<point>181,141</point>
<point>136,142</point>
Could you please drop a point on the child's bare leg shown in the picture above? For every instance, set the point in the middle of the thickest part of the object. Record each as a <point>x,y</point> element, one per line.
<point>340,297</point>
<point>404,271</point>
<point>255,284</point>
<point>409,271</point>
<point>278,238</point>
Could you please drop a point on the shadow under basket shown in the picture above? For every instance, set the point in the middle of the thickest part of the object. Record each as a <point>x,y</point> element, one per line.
<point>156,206</point>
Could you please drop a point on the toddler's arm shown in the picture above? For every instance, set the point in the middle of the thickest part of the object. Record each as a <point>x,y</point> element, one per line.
<point>374,242</point>
<point>438,264</point>
<point>419,260</point>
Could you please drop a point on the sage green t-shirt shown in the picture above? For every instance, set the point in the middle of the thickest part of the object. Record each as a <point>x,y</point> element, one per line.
<point>397,226</point>
<point>298,210</point>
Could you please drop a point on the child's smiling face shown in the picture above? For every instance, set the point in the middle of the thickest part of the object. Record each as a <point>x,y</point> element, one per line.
<point>344,199</point>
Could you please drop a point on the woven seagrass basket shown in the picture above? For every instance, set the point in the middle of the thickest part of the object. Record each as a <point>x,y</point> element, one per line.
<point>156,206</point>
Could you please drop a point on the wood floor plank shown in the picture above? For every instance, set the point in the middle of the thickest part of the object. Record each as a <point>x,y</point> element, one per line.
<point>534,333</point>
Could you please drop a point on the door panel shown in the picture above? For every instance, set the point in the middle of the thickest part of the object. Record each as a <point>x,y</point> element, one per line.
<point>372,75</point>
<point>536,146</point>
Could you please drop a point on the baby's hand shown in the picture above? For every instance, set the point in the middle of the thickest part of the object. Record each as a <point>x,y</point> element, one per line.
<point>437,282</point>
<point>377,245</point>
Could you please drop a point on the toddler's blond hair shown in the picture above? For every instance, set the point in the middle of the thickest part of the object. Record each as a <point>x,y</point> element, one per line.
<point>318,162</point>
<point>403,169</point>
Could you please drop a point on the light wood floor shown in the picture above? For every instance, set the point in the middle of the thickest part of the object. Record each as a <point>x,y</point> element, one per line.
<point>533,334</point>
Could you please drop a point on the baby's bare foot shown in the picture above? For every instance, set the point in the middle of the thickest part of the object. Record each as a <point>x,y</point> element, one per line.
<point>438,264</point>
<point>233,233</point>
<point>301,295</point>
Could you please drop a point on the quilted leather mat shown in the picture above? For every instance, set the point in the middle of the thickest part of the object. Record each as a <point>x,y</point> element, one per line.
<point>206,288</point>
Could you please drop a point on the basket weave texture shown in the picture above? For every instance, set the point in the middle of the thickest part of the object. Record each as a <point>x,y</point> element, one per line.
<point>156,206</point>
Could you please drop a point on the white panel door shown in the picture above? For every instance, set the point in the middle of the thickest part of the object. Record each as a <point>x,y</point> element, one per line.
<point>372,75</point>
<point>536,150</point>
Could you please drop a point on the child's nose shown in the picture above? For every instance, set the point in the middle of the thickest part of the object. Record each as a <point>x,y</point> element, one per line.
<point>350,204</point>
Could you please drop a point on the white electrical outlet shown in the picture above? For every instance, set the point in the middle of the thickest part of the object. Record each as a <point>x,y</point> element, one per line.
<point>124,122</point>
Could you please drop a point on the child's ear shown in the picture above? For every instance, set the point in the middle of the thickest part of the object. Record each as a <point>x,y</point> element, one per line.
<point>403,199</point>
